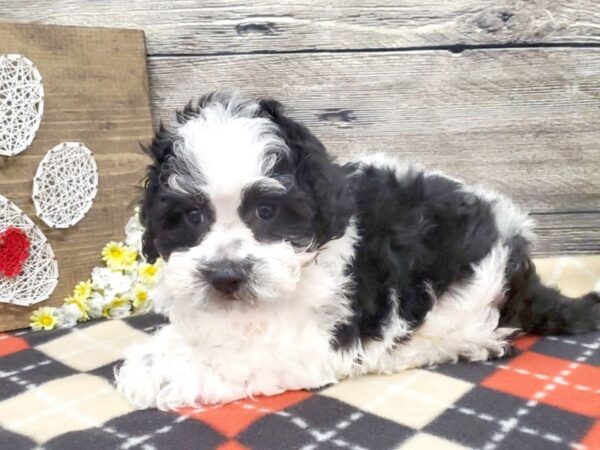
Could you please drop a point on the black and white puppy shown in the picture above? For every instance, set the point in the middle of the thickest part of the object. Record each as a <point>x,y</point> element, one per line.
<point>286,270</point>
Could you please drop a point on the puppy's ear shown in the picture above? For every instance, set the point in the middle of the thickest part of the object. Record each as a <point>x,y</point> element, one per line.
<point>160,150</point>
<point>316,173</point>
<point>331,190</point>
<point>161,147</point>
<point>271,108</point>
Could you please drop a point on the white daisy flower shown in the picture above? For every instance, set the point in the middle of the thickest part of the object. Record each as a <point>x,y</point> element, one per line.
<point>134,231</point>
<point>118,307</point>
<point>96,303</point>
<point>101,277</point>
<point>68,315</point>
<point>118,283</point>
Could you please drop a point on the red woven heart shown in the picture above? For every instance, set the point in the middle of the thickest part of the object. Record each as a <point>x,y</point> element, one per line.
<point>14,251</point>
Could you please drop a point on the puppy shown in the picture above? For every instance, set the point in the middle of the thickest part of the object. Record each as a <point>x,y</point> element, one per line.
<point>286,270</point>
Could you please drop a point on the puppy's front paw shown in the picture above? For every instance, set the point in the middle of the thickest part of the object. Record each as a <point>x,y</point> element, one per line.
<point>138,380</point>
<point>151,377</point>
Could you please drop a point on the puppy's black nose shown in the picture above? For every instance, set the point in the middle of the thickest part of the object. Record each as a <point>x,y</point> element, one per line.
<point>226,278</point>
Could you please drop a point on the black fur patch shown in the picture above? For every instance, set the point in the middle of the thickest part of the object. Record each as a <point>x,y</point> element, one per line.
<point>539,309</point>
<point>294,214</point>
<point>416,232</point>
<point>165,214</point>
<point>314,173</point>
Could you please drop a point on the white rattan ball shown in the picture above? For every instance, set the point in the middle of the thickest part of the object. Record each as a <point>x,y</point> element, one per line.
<point>65,185</point>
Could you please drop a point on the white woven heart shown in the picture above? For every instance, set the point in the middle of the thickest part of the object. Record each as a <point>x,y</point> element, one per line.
<point>21,103</point>
<point>65,185</point>
<point>39,275</point>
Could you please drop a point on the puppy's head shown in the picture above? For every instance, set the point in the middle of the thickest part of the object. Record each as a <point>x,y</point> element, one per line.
<point>238,199</point>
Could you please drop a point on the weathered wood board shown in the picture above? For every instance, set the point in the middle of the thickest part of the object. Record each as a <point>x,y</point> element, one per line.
<point>567,233</point>
<point>525,122</point>
<point>96,91</point>
<point>230,26</point>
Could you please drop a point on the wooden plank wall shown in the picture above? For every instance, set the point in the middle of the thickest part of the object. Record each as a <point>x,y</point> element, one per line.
<point>503,92</point>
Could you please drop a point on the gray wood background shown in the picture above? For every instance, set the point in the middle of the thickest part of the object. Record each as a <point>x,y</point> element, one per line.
<point>502,92</point>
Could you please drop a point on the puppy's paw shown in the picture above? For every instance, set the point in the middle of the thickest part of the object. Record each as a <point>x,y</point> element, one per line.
<point>138,380</point>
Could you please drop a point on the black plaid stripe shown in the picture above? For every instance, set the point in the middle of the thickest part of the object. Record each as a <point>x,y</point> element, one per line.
<point>13,441</point>
<point>40,337</point>
<point>107,371</point>
<point>566,347</point>
<point>480,413</point>
<point>146,322</point>
<point>142,430</point>
<point>558,437</point>
<point>321,422</point>
<point>468,371</point>
<point>26,368</point>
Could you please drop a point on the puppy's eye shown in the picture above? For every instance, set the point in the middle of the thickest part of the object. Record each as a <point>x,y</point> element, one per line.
<point>265,212</point>
<point>195,216</point>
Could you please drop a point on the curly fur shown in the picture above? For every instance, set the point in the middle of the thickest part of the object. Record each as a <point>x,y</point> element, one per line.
<point>331,270</point>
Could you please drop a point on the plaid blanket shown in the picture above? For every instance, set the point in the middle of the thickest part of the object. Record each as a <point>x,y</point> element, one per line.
<point>56,392</point>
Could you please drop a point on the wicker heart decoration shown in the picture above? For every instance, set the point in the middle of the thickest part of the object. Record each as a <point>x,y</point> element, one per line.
<point>14,251</point>
<point>27,278</point>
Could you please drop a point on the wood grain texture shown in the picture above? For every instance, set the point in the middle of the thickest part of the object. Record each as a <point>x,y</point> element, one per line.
<point>228,26</point>
<point>96,91</point>
<point>525,122</point>
<point>567,234</point>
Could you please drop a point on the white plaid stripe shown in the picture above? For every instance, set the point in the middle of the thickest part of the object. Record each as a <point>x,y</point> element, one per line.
<point>593,346</point>
<point>319,435</point>
<point>11,373</point>
<point>557,380</point>
<point>134,440</point>
<point>486,417</point>
<point>510,424</point>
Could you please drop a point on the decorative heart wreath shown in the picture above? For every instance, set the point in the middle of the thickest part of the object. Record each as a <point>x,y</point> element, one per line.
<point>28,268</point>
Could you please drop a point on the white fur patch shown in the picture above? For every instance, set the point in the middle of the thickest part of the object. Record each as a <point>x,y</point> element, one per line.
<point>386,162</point>
<point>224,149</point>
<point>212,356</point>
<point>463,322</point>
<point>281,339</point>
<point>510,219</point>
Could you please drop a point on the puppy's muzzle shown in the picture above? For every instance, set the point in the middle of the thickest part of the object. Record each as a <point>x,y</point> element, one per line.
<point>227,276</point>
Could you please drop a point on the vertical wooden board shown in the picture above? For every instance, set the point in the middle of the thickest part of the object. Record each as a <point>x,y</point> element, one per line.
<point>96,92</point>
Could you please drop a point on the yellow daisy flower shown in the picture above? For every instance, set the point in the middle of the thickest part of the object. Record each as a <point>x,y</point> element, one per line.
<point>147,272</point>
<point>81,304</point>
<point>140,297</point>
<point>119,256</point>
<point>131,257</point>
<point>83,290</point>
<point>119,302</point>
<point>43,318</point>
